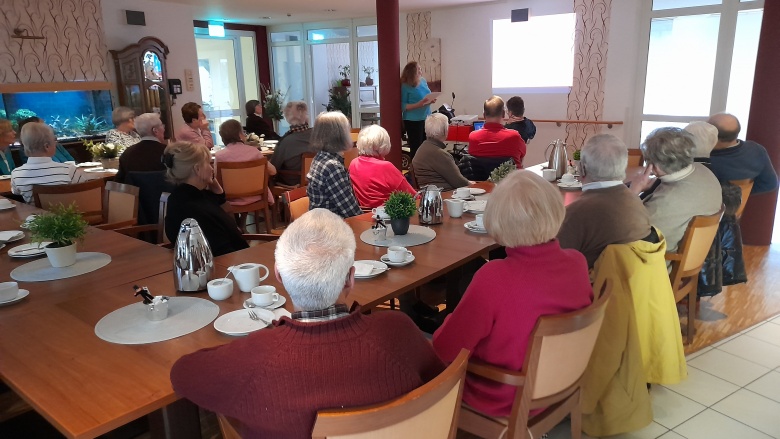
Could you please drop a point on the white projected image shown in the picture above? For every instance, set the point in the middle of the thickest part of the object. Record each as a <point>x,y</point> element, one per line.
<point>533,56</point>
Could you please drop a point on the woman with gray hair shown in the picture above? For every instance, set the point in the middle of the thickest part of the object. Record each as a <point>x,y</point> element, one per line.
<point>373,178</point>
<point>705,136</point>
<point>123,134</point>
<point>687,189</point>
<point>287,154</point>
<point>506,297</point>
<point>329,186</point>
<point>432,164</point>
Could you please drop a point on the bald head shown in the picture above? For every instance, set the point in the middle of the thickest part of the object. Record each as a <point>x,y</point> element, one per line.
<point>728,129</point>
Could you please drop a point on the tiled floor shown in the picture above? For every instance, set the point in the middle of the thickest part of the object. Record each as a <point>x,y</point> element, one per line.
<point>732,392</point>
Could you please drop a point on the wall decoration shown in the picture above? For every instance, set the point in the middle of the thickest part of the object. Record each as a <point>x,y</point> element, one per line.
<point>422,48</point>
<point>72,49</point>
<point>586,98</point>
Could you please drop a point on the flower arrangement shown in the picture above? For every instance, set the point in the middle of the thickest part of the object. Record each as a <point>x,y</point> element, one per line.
<point>344,71</point>
<point>254,139</point>
<point>576,155</point>
<point>502,171</point>
<point>62,225</point>
<point>400,205</point>
<point>272,102</point>
<point>368,70</point>
<point>100,150</point>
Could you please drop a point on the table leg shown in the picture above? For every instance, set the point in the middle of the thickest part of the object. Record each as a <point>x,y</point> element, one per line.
<point>179,420</point>
<point>452,288</point>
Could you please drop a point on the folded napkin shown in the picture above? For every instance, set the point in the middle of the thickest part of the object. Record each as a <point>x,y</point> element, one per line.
<point>13,234</point>
<point>363,269</point>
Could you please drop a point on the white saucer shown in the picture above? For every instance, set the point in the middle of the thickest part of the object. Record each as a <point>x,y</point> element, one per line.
<point>378,268</point>
<point>31,250</point>
<point>282,300</point>
<point>238,322</point>
<point>5,177</point>
<point>20,235</point>
<point>476,191</point>
<point>471,226</point>
<point>466,198</point>
<point>88,164</point>
<point>477,206</point>
<point>575,185</point>
<point>387,261</point>
<point>21,295</point>
<point>8,207</point>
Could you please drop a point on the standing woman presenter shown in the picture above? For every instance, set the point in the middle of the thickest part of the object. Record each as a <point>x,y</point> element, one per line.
<point>414,104</point>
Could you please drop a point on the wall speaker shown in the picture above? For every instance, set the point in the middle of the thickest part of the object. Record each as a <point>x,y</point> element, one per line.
<point>519,15</point>
<point>136,18</point>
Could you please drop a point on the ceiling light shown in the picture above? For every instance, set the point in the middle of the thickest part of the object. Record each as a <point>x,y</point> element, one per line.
<point>216,29</point>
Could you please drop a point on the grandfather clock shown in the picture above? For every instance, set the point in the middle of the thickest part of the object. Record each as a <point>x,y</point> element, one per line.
<point>142,79</point>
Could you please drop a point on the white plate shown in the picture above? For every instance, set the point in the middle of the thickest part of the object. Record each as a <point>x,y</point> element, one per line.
<point>378,268</point>
<point>21,295</point>
<point>88,164</point>
<point>28,250</point>
<point>101,170</point>
<point>8,207</point>
<point>19,235</point>
<point>477,206</point>
<point>5,177</point>
<point>238,322</point>
<point>387,261</point>
<point>574,185</point>
<point>476,191</point>
<point>471,226</point>
<point>282,300</point>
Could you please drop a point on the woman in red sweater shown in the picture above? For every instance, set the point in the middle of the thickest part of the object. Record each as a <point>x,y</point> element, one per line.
<point>373,178</point>
<point>506,296</point>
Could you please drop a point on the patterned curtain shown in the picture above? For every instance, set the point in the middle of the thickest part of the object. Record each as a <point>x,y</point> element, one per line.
<point>586,99</point>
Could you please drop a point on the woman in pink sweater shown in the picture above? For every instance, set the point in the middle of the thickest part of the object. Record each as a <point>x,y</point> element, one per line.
<point>506,296</point>
<point>373,178</point>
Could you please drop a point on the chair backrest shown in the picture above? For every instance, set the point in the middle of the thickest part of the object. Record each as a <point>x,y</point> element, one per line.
<point>121,201</point>
<point>349,155</point>
<point>152,184</point>
<point>412,176</point>
<point>306,159</point>
<point>296,202</point>
<point>560,348</point>
<point>158,229</point>
<point>694,246</point>
<point>243,179</point>
<point>745,186</point>
<point>87,196</point>
<point>635,158</point>
<point>430,411</point>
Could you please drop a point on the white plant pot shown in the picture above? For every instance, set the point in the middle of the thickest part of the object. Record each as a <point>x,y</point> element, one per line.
<point>61,256</point>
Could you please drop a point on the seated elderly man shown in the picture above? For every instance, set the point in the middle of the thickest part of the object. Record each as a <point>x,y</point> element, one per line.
<point>323,356</point>
<point>607,212</point>
<point>734,159</point>
<point>705,137</point>
<point>687,189</point>
<point>40,144</point>
<point>373,178</point>
<point>145,155</point>
<point>493,140</point>
<point>287,154</point>
<point>432,164</point>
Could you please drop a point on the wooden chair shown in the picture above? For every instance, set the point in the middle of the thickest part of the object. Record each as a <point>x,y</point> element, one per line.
<point>121,204</point>
<point>87,196</point>
<point>558,353</point>
<point>746,186</point>
<point>412,177</point>
<point>296,203</point>
<point>158,228</point>
<point>349,155</point>
<point>635,158</point>
<point>306,160</point>
<point>687,261</point>
<point>246,179</point>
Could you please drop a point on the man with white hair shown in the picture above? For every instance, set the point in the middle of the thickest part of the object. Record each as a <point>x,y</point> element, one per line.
<point>40,144</point>
<point>607,212</point>
<point>273,382</point>
<point>146,155</point>
<point>734,159</point>
<point>287,154</point>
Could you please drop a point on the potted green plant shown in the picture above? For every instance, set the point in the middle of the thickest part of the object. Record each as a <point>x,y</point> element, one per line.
<point>502,171</point>
<point>273,102</point>
<point>400,207</point>
<point>576,159</point>
<point>368,70</point>
<point>345,71</point>
<point>63,226</point>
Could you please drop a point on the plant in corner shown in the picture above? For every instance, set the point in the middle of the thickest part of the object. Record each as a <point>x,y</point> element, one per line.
<point>273,102</point>
<point>368,70</point>
<point>63,226</point>
<point>345,71</point>
<point>400,207</point>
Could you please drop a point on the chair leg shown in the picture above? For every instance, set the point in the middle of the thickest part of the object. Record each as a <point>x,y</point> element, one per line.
<point>576,417</point>
<point>268,219</point>
<point>691,314</point>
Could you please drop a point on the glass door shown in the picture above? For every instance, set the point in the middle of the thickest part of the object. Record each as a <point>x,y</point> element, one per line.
<point>368,61</point>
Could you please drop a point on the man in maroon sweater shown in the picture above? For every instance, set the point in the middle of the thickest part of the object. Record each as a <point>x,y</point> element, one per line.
<point>273,382</point>
<point>493,140</point>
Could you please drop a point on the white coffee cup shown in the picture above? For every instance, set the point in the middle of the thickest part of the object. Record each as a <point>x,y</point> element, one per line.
<point>8,291</point>
<point>455,207</point>
<point>548,174</point>
<point>398,254</point>
<point>462,192</point>
<point>264,295</point>
<point>379,211</point>
<point>567,178</point>
<point>220,289</point>
<point>480,221</point>
<point>248,275</point>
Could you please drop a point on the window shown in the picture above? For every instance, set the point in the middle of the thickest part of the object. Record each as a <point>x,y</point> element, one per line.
<point>552,53</point>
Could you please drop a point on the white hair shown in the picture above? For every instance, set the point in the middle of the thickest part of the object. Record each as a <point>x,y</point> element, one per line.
<point>436,126</point>
<point>35,136</point>
<point>373,140</point>
<point>604,158</point>
<point>145,123</point>
<point>313,257</point>
<point>705,136</point>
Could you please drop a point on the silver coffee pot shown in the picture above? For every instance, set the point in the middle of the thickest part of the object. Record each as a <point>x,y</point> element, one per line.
<point>558,157</point>
<point>193,262</point>
<point>430,208</point>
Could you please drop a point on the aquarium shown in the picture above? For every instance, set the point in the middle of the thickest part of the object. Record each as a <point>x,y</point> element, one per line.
<point>72,114</point>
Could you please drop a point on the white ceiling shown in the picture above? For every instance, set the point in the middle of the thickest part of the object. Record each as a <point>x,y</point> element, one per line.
<point>301,11</point>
